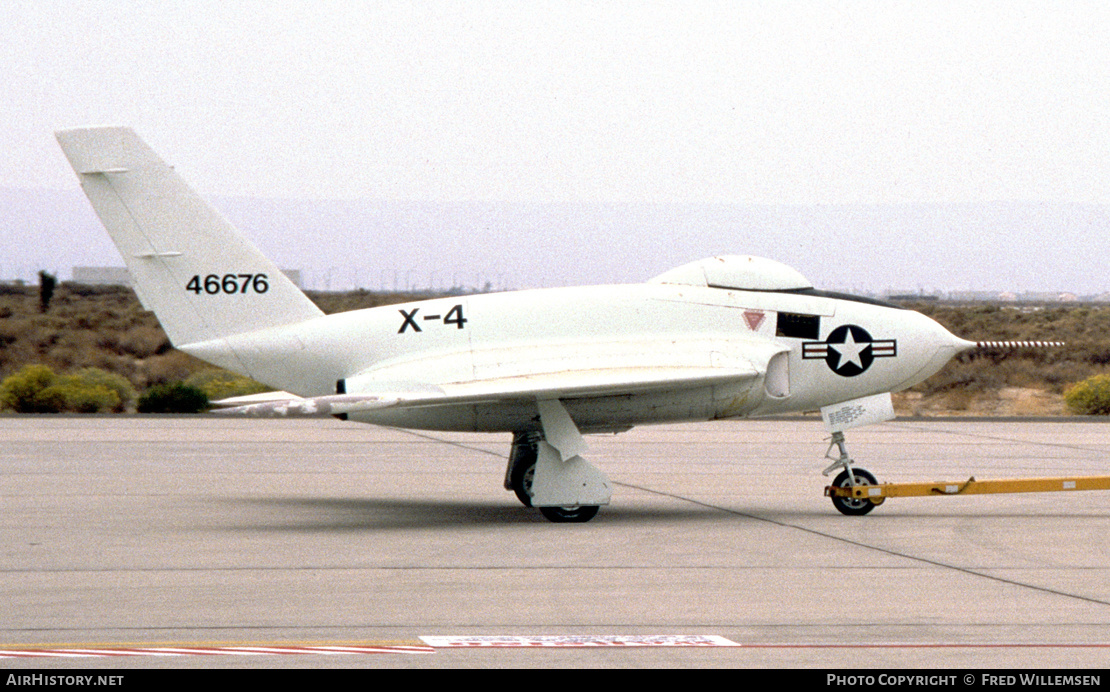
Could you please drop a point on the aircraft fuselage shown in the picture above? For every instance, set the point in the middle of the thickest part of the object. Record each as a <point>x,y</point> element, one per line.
<point>808,351</point>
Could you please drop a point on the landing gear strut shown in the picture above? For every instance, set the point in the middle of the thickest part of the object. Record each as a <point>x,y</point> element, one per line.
<point>851,476</point>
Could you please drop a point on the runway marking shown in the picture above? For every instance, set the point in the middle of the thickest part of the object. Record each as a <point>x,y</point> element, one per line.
<point>576,641</point>
<point>221,650</point>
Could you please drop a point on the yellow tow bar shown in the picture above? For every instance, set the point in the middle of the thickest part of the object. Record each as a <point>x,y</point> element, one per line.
<point>879,492</point>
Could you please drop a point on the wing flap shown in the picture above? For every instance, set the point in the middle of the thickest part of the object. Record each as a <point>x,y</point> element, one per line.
<point>576,384</point>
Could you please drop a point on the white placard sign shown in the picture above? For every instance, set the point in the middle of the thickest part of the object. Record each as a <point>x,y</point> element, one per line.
<point>857,412</point>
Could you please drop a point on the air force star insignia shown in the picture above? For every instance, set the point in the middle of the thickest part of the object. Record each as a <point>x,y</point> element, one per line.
<point>849,350</point>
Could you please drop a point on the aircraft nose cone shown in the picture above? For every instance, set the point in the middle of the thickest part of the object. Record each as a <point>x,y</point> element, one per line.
<point>935,346</point>
<point>955,342</point>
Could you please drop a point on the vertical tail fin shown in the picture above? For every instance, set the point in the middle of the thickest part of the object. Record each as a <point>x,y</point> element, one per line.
<point>203,280</point>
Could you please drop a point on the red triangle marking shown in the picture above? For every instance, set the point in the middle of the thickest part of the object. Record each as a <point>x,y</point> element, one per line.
<point>754,319</point>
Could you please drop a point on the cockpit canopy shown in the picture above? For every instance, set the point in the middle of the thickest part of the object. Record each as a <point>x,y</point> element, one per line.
<point>742,272</point>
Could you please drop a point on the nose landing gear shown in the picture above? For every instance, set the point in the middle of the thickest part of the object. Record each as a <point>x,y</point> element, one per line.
<point>851,476</point>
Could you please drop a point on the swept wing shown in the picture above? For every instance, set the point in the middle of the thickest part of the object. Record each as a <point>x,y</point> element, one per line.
<point>573,384</point>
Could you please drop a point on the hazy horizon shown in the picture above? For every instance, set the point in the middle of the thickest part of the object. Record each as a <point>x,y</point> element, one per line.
<point>375,244</point>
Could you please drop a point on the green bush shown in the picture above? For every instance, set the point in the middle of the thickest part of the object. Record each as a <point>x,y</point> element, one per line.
<point>37,389</point>
<point>21,392</point>
<point>95,378</point>
<point>72,395</point>
<point>1090,397</point>
<point>221,384</point>
<point>177,397</point>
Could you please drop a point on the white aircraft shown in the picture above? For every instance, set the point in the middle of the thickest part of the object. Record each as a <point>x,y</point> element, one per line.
<point>724,337</point>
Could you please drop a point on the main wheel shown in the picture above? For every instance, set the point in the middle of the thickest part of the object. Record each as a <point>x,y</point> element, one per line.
<point>569,514</point>
<point>521,480</point>
<point>850,505</point>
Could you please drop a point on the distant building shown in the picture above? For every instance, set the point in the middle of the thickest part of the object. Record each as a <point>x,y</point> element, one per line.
<point>119,276</point>
<point>981,296</point>
<point>1012,297</point>
<point>293,275</point>
<point>910,296</point>
<point>102,276</point>
<point>1041,297</point>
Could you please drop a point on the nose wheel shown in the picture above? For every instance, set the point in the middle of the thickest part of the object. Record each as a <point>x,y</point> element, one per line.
<point>849,505</point>
<point>850,477</point>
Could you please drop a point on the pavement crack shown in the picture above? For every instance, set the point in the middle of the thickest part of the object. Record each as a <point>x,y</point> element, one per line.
<point>880,549</point>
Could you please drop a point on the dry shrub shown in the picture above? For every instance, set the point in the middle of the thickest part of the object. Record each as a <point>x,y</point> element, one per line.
<point>172,366</point>
<point>143,342</point>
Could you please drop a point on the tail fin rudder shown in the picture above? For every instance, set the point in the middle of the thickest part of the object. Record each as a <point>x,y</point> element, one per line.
<point>202,279</point>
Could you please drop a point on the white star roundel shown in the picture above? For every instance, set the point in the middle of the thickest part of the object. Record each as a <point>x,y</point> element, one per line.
<point>849,350</point>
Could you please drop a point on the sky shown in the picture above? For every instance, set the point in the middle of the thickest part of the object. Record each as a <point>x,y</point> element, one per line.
<point>821,106</point>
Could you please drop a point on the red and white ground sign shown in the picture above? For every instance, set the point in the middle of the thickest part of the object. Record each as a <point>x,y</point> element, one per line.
<point>431,643</point>
<point>122,651</point>
<point>577,641</point>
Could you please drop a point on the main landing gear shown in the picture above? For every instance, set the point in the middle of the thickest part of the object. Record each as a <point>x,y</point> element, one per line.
<point>520,477</point>
<point>851,476</point>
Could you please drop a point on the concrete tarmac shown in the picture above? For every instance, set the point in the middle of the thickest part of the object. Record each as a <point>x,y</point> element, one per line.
<point>185,531</point>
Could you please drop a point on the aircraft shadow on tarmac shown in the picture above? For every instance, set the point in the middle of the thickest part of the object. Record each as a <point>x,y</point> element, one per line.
<point>382,514</point>
<point>311,514</point>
